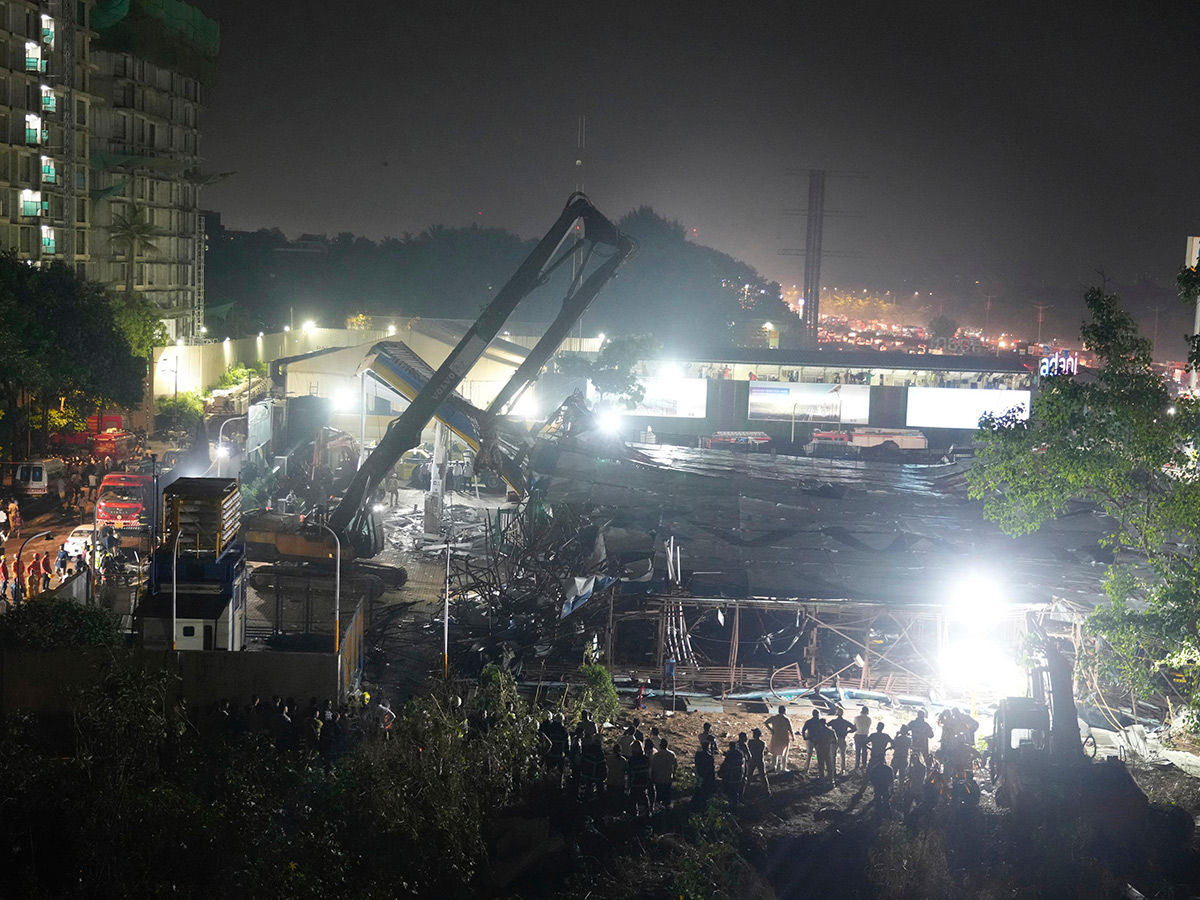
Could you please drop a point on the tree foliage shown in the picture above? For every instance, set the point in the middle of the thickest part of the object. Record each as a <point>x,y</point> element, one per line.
<point>185,410</point>
<point>140,319</point>
<point>133,234</point>
<point>943,326</point>
<point>136,804</point>
<point>682,291</point>
<point>613,371</point>
<point>1118,441</point>
<point>61,339</point>
<point>58,625</point>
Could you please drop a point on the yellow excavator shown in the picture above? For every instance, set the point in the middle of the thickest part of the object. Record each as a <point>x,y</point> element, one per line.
<point>353,527</point>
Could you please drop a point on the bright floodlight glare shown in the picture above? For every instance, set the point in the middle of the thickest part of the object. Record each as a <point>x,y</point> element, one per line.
<point>309,325</point>
<point>343,400</point>
<point>223,451</point>
<point>981,666</point>
<point>287,327</point>
<point>1170,410</point>
<point>600,337</point>
<point>178,342</point>
<point>767,326</point>
<point>670,370</point>
<point>391,329</point>
<point>976,601</point>
<point>526,406</point>
<point>378,507</point>
<point>609,421</point>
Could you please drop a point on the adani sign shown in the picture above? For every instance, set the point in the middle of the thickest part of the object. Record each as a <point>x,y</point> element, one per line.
<point>1062,363</point>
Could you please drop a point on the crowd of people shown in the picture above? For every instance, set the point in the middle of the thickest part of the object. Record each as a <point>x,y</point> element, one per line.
<point>635,773</point>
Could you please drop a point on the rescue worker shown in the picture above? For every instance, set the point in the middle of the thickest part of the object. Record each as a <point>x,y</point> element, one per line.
<point>733,774</point>
<point>922,733</point>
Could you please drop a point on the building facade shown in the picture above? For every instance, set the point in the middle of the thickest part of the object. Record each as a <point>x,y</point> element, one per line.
<point>46,103</point>
<point>100,105</point>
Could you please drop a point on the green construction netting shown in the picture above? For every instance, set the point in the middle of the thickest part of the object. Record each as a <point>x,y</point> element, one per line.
<point>108,13</point>
<point>100,160</point>
<point>169,33</point>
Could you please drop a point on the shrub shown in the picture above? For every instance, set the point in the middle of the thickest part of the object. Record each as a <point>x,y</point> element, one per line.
<point>597,693</point>
<point>185,410</point>
<point>58,625</point>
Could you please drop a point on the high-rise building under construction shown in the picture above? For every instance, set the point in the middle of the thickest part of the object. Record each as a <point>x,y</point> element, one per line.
<point>100,105</point>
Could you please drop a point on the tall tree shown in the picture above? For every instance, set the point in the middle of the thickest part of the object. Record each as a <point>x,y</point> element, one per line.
<point>61,339</point>
<point>613,370</point>
<point>135,235</point>
<point>1114,438</point>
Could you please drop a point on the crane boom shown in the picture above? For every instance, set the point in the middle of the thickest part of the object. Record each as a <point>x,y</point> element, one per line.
<point>353,515</point>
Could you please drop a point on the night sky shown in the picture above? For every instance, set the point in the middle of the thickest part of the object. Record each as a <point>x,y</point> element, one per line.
<point>1000,142</point>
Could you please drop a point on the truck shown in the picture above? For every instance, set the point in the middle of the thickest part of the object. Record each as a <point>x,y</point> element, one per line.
<point>829,443</point>
<point>125,502</point>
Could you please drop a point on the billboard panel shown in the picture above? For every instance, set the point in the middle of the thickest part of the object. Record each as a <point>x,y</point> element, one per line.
<point>671,398</point>
<point>258,425</point>
<point>959,407</point>
<point>807,402</point>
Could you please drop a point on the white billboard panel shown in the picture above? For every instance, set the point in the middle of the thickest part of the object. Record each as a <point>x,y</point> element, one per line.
<point>668,397</point>
<point>960,407</point>
<point>808,402</point>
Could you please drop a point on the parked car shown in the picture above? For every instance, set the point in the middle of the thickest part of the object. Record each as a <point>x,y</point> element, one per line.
<point>78,538</point>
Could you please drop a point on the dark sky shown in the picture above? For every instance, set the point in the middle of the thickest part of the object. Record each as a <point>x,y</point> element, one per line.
<point>1000,141</point>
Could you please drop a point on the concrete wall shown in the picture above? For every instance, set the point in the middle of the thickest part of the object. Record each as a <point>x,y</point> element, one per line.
<point>45,683</point>
<point>199,366</point>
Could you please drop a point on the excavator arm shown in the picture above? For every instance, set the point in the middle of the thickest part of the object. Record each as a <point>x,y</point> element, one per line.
<point>353,517</point>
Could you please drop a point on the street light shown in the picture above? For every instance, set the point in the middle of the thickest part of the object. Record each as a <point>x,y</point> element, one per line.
<point>20,550</point>
<point>175,586</point>
<point>337,602</point>
<point>222,448</point>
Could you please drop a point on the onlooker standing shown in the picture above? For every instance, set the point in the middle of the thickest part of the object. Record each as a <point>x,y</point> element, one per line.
<point>706,772</point>
<point>616,779</point>
<point>639,781</point>
<point>922,734</point>
<point>900,752</point>
<point>5,574</point>
<point>47,571</point>
<point>733,773</point>
<point>878,743</point>
<point>841,728</point>
<point>862,731</point>
<point>882,778</point>
<point>757,762</point>
<point>662,772</point>
<point>808,733</point>
<point>780,727</point>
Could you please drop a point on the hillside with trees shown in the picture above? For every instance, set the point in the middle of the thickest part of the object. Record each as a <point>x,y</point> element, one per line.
<point>687,294</point>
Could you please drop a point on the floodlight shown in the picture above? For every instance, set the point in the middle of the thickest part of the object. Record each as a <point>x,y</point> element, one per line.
<point>309,325</point>
<point>609,421</point>
<point>223,451</point>
<point>976,600</point>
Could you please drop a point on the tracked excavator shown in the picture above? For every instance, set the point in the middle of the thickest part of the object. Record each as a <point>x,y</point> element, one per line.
<point>353,527</point>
